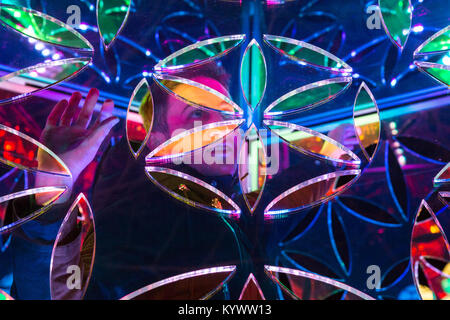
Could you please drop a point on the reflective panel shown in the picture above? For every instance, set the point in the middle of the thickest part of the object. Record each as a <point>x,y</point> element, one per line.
<point>195,285</point>
<point>39,26</point>
<point>430,254</point>
<point>200,52</point>
<point>21,151</point>
<point>73,252</point>
<point>193,139</point>
<point>41,76</point>
<point>5,296</point>
<point>111,18</point>
<point>253,74</point>
<point>25,206</point>
<point>309,286</point>
<point>443,176</point>
<point>311,192</point>
<point>252,168</point>
<point>308,96</point>
<point>306,53</point>
<point>192,191</point>
<point>439,72</point>
<point>251,290</point>
<point>438,42</point>
<point>396,16</point>
<point>299,138</point>
<point>365,111</point>
<point>197,94</point>
<point>138,127</point>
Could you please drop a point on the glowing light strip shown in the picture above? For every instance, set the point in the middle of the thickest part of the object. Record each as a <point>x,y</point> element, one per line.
<point>47,17</point>
<point>184,276</point>
<point>150,169</point>
<point>200,86</point>
<point>315,277</point>
<point>160,66</point>
<point>274,214</point>
<point>307,87</point>
<point>150,157</point>
<point>356,160</point>
<point>345,67</point>
<point>34,214</point>
<point>39,145</point>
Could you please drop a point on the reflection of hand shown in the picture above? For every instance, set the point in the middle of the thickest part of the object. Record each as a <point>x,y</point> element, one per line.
<point>66,133</point>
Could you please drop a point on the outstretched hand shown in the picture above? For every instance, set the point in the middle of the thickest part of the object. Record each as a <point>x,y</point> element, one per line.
<point>72,134</point>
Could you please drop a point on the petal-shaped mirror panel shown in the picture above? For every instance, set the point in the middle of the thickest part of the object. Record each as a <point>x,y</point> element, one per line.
<point>308,96</point>
<point>443,176</point>
<point>22,206</point>
<point>310,193</point>
<point>197,94</point>
<point>21,151</point>
<point>437,43</point>
<point>302,285</point>
<point>365,111</point>
<point>438,72</point>
<point>396,16</point>
<point>299,138</point>
<point>39,26</point>
<point>73,252</point>
<point>111,18</point>
<point>306,53</point>
<point>429,243</point>
<point>253,74</point>
<point>5,296</point>
<point>192,191</point>
<point>190,140</point>
<point>251,290</point>
<point>41,76</point>
<point>195,285</point>
<point>252,168</point>
<point>138,124</point>
<point>200,52</point>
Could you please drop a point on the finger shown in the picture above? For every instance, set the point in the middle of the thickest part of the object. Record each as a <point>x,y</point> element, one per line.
<point>106,111</point>
<point>95,139</point>
<point>70,111</point>
<point>86,112</point>
<point>56,113</point>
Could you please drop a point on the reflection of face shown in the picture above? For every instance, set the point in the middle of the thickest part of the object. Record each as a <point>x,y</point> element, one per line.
<point>181,115</point>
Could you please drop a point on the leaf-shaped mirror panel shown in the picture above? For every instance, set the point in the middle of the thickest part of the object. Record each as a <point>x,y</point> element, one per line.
<point>253,74</point>
<point>111,18</point>
<point>19,150</point>
<point>365,110</point>
<point>443,176</point>
<point>200,52</point>
<point>308,286</point>
<point>195,285</point>
<point>23,206</point>
<point>190,140</point>
<point>41,76</point>
<point>308,96</point>
<point>139,118</point>
<point>438,72</point>
<point>73,252</point>
<point>39,26</point>
<point>310,264</point>
<point>251,290</point>
<point>310,193</point>
<point>437,43</point>
<point>5,296</point>
<point>425,148</point>
<point>300,138</point>
<point>192,191</point>
<point>306,53</point>
<point>339,239</point>
<point>197,94</point>
<point>396,16</point>
<point>252,168</point>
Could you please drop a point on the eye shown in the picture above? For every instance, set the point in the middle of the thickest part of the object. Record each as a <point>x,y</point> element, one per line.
<point>197,114</point>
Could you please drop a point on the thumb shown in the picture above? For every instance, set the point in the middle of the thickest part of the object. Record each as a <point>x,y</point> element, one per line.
<point>98,134</point>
